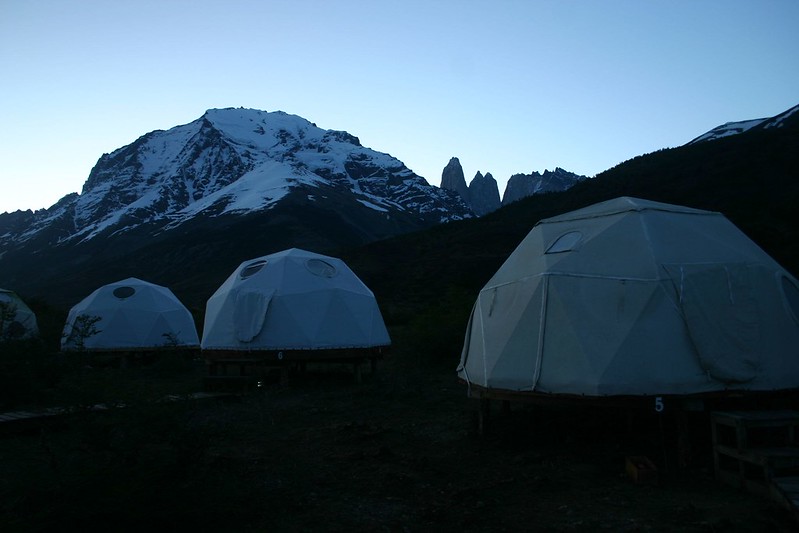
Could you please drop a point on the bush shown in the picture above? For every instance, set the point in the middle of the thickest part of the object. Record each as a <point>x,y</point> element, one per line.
<point>436,333</point>
<point>27,371</point>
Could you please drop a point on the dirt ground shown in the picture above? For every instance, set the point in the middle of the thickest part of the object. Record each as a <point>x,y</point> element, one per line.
<point>398,452</point>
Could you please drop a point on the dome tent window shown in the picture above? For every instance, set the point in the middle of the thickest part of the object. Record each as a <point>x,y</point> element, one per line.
<point>320,268</point>
<point>124,292</point>
<point>252,269</point>
<point>791,292</point>
<point>565,243</point>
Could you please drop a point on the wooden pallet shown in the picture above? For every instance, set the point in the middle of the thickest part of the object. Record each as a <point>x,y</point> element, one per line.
<point>786,491</point>
<point>758,451</point>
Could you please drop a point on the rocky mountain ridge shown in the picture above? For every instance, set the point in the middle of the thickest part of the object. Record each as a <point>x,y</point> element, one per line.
<point>524,185</point>
<point>482,193</point>
<point>229,162</point>
<point>734,128</point>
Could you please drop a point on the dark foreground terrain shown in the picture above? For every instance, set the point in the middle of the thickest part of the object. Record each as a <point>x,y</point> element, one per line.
<point>398,452</point>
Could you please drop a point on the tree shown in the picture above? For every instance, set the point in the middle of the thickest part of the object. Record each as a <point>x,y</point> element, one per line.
<point>9,328</point>
<point>81,329</point>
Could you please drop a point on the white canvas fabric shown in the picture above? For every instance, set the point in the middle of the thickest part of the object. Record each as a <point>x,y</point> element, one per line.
<point>632,297</point>
<point>18,322</point>
<point>133,314</point>
<point>293,300</point>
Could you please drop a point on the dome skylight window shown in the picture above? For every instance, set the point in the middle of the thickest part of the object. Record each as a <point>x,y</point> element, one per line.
<point>320,268</point>
<point>124,292</point>
<point>253,268</point>
<point>565,243</point>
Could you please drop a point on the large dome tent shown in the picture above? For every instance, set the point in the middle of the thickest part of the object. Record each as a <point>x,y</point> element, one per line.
<point>132,315</point>
<point>634,298</point>
<point>293,300</point>
<point>17,320</point>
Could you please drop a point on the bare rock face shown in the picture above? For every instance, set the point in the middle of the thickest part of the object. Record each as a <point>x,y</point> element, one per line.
<point>452,179</point>
<point>523,185</point>
<point>484,194</point>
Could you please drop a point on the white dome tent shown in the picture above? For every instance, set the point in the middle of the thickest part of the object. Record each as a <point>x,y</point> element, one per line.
<point>634,298</point>
<point>129,315</point>
<point>293,305</point>
<point>17,321</point>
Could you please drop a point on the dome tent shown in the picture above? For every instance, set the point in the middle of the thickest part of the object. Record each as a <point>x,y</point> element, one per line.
<point>17,321</point>
<point>293,300</point>
<point>129,315</point>
<point>632,297</point>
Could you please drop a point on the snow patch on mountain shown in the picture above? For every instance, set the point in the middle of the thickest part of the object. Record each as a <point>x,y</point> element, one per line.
<point>370,205</point>
<point>735,128</point>
<point>728,129</point>
<point>256,190</point>
<point>780,120</point>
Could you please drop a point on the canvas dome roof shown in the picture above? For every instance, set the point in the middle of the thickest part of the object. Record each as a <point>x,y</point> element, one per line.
<point>133,314</point>
<point>293,300</point>
<point>632,297</point>
<point>21,322</point>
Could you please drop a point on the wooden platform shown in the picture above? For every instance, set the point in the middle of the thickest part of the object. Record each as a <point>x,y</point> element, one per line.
<point>23,420</point>
<point>244,370</point>
<point>16,417</point>
<point>758,451</point>
<point>786,491</point>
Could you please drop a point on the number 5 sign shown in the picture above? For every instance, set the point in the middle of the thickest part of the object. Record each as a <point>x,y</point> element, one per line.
<point>659,404</point>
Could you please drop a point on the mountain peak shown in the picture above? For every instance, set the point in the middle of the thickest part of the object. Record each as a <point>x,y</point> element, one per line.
<point>522,185</point>
<point>452,179</point>
<point>484,194</point>
<point>237,161</point>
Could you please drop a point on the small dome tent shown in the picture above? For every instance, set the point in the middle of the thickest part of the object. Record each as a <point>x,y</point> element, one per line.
<point>632,297</point>
<point>293,300</point>
<point>129,315</point>
<point>17,321</point>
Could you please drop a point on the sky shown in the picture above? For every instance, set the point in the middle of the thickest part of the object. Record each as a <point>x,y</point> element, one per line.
<point>506,86</point>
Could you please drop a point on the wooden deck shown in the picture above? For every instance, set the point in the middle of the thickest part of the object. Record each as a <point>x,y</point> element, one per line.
<point>29,419</point>
<point>786,491</point>
<point>758,451</point>
<point>241,370</point>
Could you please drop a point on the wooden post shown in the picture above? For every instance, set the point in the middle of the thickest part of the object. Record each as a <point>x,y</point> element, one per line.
<point>483,413</point>
<point>715,433</point>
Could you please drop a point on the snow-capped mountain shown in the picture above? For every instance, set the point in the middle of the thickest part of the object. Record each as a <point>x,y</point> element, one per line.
<point>183,205</point>
<point>734,128</point>
<point>232,161</point>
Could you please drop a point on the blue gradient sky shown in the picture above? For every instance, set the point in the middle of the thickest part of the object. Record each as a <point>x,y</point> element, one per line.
<point>506,86</point>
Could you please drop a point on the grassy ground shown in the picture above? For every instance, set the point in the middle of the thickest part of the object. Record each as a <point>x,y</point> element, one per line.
<point>398,452</point>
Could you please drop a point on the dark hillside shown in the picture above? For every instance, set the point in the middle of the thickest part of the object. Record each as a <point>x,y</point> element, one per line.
<point>193,259</point>
<point>429,280</point>
<point>751,178</point>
